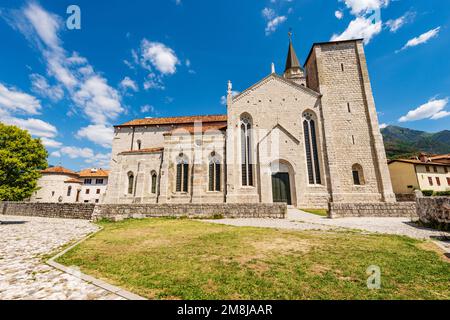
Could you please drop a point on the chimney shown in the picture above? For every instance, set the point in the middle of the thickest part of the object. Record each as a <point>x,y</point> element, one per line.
<point>423,157</point>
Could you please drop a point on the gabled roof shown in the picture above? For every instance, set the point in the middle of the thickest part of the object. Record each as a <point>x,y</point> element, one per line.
<point>417,162</point>
<point>88,173</point>
<point>59,170</point>
<point>277,77</point>
<point>175,120</point>
<point>73,180</point>
<point>192,129</point>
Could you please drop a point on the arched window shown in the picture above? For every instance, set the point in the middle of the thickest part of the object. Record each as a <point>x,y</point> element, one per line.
<point>69,191</point>
<point>139,144</point>
<point>312,156</point>
<point>130,182</point>
<point>358,175</point>
<point>214,173</point>
<point>154,179</point>
<point>182,181</point>
<point>246,150</point>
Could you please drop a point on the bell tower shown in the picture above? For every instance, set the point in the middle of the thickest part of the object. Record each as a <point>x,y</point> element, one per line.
<point>293,70</point>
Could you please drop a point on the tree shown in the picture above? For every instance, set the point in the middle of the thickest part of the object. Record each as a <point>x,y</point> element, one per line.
<point>21,159</point>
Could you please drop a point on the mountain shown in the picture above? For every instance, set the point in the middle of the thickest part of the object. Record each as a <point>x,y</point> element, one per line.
<point>402,142</point>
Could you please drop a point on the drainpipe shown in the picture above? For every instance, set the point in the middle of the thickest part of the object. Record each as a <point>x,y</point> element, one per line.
<point>158,192</point>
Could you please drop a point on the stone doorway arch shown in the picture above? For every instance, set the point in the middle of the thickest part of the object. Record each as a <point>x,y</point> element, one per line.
<point>283,182</point>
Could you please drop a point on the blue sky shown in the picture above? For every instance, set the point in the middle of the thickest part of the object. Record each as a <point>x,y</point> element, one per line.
<point>134,59</point>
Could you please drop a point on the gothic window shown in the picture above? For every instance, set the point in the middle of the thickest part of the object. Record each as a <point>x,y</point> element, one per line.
<point>246,150</point>
<point>154,178</point>
<point>139,144</point>
<point>69,191</point>
<point>214,173</point>
<point>358,176</point>
<point>182,177</point>
<point>130,182</point>
<point>311,148</point>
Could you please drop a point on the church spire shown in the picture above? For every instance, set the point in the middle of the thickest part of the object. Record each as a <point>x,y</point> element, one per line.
<point>293,70</point>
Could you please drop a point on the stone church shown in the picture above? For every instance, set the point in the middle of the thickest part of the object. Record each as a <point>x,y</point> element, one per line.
<point>307,137</point>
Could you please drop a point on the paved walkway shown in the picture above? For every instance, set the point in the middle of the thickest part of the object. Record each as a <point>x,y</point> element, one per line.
<point>300,220</point>
<point>24,275</point>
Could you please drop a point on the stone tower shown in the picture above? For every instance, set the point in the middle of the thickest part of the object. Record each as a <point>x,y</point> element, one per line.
<point>293,70</point>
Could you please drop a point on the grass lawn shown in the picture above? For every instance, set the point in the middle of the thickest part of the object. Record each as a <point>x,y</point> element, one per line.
<point>185,259</point>
<point>319,212</point>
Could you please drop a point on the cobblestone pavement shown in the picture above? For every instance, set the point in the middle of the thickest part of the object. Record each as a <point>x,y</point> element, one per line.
<point>300,220</point>
<point>24,275</point>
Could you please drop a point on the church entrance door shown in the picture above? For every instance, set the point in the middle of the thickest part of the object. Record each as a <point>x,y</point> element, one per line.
<point>281,188</point>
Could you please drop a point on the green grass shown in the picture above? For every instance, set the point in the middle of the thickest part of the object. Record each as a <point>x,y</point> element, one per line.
<point>319,212</point>
<point>185,259</point>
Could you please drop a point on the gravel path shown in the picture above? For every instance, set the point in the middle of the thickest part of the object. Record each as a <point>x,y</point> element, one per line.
<point>24,276</point>
<point>300,220</point>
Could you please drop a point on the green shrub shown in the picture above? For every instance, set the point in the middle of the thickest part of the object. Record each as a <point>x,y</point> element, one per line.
<point>427,193</point>
<point>442,193</point>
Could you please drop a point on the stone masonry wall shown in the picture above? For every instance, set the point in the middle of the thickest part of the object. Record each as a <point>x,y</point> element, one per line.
<point>398,209</point>
<point>405,197</point>
<point>434,210</point>
<point>48,210</point>
<point>116,212</point>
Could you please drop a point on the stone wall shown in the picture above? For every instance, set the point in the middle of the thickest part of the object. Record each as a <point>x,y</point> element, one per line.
<point>118,212</point>
<point>122,211</point>
<point>434,211</point>
<point>48,210</point>
<point>398,209</point>
<point>405,197</point>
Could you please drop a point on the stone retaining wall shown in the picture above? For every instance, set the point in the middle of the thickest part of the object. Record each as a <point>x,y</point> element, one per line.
<point>434,211</point>
<point>48,210</point>
<point>396,209</point>
<point>117,212</point>
<point>405,197</point>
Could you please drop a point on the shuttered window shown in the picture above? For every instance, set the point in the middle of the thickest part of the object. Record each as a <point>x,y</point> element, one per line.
<point>182,177</point>
<point>214,175</point>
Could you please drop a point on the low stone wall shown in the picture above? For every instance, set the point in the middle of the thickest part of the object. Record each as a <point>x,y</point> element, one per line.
<point>116,212</point>
<point>434,211</point>
<point>405,197</point>
<point>396,209</point>
<point>48,210</point>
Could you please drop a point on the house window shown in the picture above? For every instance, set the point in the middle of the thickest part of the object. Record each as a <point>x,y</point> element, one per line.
<point>312,156</point>
<point>87,191</point>
<point>427,168</point>
<point>438,181</point>
<point>348,107</point>
<point>96,200</point>
<point>130,182</point>
<point>435,169</point>
<point>448,181</point>
<point>182,174</point>
<point>87,181</point>
<point>98,191</point>
<point>358,175</point>
<point>69,191</point>
<point>214,173</point>
<point>99,181</point>
<point>139,144</point>
<point>246,150</point>
<point>342,67</point>
<point>430,181</point>
<point>154,178</point>
<point>446,169</point>
<point>53,193</point>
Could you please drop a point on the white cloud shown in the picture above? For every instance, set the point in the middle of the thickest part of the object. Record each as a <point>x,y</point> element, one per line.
<point>147,108</point>
<point>35,127</point>
<point>223,99</point>
<point>50,143</point>
<point>12,100</point>
<point>153,81</point>
<point>159,56</point>
<point>40,85</point>
<point>358,7</point>
<point>433,109</point>
<point>423,38</point>
<point>268,13</point>
<point>99,134</point>
<point>55,154</point>
<point>128,83</point>
<point>101,160</point>
<point>360,27</point>
<point>75,152</point>
<point>396,24</point>
<point>338,14</point>
<point>273,24</point>
<point>383,125</point>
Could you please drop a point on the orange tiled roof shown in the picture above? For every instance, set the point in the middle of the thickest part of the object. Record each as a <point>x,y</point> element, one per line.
<point>174,120</point>
<point>59,170</point>
<point>87,173</point>
<point>192,129</point>
<point>412,161</point>
<point>73,180</point>
<point>149,150</point>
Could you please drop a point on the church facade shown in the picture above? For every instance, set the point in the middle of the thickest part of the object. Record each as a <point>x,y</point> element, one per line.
<point>307,137</point>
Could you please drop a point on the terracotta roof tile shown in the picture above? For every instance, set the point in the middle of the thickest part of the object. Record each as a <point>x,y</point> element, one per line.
<point>73,180</point>
<point>149,150</point>
<point>412,161</point>
<point>191,129</point>
<point>174,120</point>
<point>93,173</point>
<point>59,170</point>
